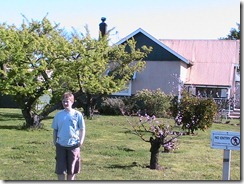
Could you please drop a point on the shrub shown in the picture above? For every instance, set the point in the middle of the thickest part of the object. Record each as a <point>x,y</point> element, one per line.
<point>153,102</point>
<point>129,108</point>
<point>194,113</point>
<point>112,106</point>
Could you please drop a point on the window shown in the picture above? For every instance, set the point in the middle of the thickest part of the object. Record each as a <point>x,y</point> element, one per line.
<point>212,92</point>
<point>125,92</point>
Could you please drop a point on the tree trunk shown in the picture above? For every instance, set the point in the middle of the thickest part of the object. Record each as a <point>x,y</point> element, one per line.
<point>155,145</point>
<point>31,119</point>
<point>87,109</point>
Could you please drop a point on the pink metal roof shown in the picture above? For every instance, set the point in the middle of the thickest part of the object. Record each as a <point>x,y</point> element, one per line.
<point>213,60</point>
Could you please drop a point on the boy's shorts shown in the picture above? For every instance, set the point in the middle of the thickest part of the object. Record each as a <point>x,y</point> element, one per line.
<point>67,160</point>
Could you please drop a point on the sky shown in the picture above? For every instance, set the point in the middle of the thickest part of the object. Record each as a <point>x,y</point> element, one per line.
<point>163,19</point>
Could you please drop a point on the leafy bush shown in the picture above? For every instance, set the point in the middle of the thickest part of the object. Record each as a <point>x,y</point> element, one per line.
<point>112,106</point>
<point>153,102</point>
<point>194,113</point>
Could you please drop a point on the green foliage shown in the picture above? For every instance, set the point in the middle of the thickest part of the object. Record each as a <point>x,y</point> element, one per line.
<point>39,58</point>
<point>112,106</point>
<point>30,59</point>
<point>153,102</point>
<point>97,69</point>
<point>194,113</point>
<point>91,61</point>
<point>27,55</point>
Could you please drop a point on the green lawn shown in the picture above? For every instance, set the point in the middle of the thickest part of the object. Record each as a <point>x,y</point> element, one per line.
<point>110,152</point>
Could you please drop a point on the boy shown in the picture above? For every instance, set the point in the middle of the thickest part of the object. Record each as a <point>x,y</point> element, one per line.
<point>68,135</point>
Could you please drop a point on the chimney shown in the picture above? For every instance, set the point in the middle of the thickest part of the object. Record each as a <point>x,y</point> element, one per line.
<point>102,27</point>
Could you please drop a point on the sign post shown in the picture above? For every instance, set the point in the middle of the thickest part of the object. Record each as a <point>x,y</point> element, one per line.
<point>226,165</point>
<point>227,141</point>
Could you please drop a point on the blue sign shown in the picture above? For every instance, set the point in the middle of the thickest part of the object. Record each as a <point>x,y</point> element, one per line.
<point>225,140</point>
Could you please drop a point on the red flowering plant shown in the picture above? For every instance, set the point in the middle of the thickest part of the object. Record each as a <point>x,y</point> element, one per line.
<point>158,134</point>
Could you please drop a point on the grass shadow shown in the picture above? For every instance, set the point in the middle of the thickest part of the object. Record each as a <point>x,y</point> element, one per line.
<point>135,164</point>
<point>118,166</point>
<point>11,127</point>
<point>10,116</point>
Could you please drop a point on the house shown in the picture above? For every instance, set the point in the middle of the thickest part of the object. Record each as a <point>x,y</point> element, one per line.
<point>205,67</point>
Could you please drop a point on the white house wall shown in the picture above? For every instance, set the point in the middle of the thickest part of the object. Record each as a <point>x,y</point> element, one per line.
<point>159,74</point>
<point>183,72</point>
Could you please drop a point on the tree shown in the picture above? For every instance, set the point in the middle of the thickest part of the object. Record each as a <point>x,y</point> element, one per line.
<point>29,60</point>
<point>39,58</point>
<point>97,69</point>
<point>157,134</point>
<point>234,34</point>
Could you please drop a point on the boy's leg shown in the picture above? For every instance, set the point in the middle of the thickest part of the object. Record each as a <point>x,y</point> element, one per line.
<point>74,163</point>
<point>61,177</point>
<point>61,162</point>
<point>71,177</point>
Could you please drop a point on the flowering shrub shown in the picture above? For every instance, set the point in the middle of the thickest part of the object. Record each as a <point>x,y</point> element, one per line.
<point>171,146</point>
<point>160,130</point>
<point>157,134</point>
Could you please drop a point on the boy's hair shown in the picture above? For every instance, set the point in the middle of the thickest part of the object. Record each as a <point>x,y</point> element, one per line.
<point>69,95</point>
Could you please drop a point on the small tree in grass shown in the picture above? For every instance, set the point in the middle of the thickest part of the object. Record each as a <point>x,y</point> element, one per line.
<point>157,134</point>
<point>193,112</point>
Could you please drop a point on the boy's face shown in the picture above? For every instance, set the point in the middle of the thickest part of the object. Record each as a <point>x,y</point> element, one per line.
<point>67,104</point>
